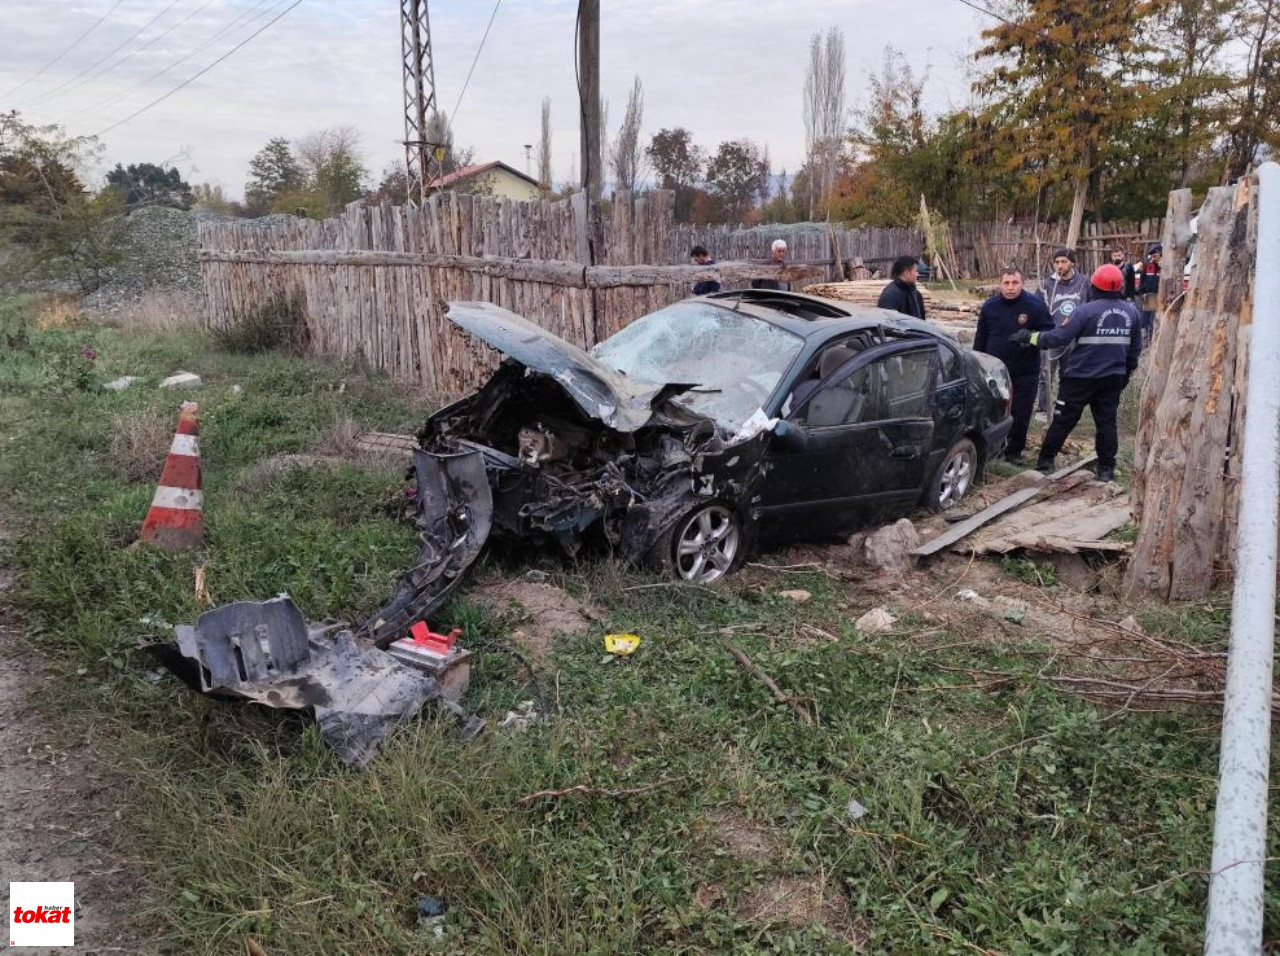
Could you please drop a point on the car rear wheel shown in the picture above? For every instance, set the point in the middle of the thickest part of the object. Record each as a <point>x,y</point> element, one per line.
<point>706,544</point>
<point>955,477</point>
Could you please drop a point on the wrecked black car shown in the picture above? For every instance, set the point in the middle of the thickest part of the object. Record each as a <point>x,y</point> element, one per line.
<point>696,434</point>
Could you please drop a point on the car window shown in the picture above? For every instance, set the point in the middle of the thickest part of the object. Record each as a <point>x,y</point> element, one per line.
<point>952,370</point>
<point>735,360</point>
<point>896,386</point>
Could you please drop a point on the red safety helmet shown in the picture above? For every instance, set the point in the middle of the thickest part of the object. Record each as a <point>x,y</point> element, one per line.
<point>1108,278</point>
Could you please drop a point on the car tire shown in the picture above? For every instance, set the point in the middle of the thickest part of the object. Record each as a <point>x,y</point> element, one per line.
<point>954,478</point>
<point>703,545</point>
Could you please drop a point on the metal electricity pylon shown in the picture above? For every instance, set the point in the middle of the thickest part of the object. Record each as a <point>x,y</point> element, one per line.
<point>422,156</point>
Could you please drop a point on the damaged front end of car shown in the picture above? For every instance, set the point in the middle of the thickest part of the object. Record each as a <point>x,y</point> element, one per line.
<point>555,449</point>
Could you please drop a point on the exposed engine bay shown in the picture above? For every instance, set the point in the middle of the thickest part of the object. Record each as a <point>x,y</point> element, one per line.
<point>553,473</point>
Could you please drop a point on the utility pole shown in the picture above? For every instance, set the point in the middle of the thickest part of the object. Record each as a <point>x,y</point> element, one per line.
<point>421,157</point>
<point>589,86</point>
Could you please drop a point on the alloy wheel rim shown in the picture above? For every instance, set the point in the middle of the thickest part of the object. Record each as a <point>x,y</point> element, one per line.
<point>707,545</point>
<point>956,477</point>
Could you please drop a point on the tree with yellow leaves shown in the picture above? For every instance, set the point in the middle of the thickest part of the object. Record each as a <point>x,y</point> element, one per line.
<point>1066,77</point>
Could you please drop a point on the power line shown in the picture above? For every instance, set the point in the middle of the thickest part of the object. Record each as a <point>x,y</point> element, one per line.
<point>71,46</point>
<point>191,79</point>
<point>97,63</point>
<point>1028,31</point>
<point>150,43</point>
<point>224,31</point>
<point>474,61</point>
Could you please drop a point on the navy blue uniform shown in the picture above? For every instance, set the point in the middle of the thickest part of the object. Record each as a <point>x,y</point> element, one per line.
<point>998,319</point>
<point>1107,335</point>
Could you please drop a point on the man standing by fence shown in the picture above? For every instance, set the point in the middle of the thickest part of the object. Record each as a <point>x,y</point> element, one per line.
<point>1002,315</point>
<point>700,257</point>
<point>901,294</point>
<point>777,255</point>
<point>1063,291</point>
<point>1120,259</point>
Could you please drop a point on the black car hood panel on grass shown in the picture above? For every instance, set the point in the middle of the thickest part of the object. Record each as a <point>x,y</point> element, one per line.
<point>621,403</point>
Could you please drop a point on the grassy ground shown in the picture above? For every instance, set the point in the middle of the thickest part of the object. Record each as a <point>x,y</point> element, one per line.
<point>1000,818</point>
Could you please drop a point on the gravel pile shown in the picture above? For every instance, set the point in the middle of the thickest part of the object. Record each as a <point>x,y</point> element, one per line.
<point>159,249</point>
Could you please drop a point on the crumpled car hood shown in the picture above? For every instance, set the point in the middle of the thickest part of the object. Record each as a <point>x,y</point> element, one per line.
<point>619,402</point>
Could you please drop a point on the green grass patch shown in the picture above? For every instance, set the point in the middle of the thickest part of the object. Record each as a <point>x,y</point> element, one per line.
<point>1013,817</point>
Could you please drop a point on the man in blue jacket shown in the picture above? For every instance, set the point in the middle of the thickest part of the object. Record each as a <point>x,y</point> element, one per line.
<point>1012,310</point>
<point>1106,335</point>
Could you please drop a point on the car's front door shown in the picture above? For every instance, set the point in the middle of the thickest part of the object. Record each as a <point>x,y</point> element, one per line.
<point>866,433</point>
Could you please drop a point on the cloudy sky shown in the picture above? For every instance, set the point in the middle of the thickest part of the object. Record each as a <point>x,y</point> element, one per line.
<point>723,68</point>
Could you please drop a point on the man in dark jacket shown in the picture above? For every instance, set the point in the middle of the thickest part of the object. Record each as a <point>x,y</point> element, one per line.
<point>700,257</point>
<point>1120,259</point>
<point>1002,315</point>
<point>1107,335</point>
<point>901,295</point>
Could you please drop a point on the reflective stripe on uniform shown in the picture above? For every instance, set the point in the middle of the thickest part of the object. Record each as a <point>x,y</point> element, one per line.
<point>1104,340</point>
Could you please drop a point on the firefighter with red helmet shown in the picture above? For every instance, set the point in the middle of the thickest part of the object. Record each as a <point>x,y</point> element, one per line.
<point>1105,336</point>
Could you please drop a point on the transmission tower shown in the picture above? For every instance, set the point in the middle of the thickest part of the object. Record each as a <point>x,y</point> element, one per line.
<point>422,157</point>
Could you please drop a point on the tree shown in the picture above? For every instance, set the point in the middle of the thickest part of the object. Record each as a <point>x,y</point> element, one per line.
<point>544,147</point>
<point>1254,102</point>
<point>210,198</point>
<point>824,113</point>
<point>1064,83</point>
<point>1196,32</point>
<point>627,153</point>
<point>678,164</point>
<point>50,225</point>
<point>332,168</point>
<point>273,172</point>
<point>738,177</point>
<point>394,187</point>
<point>38,165</point>
<point>146,184</point>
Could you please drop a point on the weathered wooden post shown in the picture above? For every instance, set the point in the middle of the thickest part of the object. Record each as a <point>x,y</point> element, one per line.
<point>1186,455</point>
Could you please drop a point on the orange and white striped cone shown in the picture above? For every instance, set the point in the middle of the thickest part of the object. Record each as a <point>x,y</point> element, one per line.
<point>176,518</point>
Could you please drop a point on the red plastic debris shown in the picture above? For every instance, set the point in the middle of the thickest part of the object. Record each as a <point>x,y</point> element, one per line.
<point>438,643</point>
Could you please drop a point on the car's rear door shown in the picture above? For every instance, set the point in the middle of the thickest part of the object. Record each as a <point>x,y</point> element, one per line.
<point>868,433</point>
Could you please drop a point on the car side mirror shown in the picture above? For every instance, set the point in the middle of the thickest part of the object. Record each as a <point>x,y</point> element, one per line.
<point>790,436</point>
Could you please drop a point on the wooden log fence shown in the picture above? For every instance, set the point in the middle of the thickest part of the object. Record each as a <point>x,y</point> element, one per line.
<point>371,282</point>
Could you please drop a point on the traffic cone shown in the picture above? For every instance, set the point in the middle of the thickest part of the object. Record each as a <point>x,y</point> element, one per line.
<point>176,518</point>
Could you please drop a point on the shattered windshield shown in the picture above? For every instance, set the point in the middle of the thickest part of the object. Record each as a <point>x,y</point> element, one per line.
<point>733,359</point>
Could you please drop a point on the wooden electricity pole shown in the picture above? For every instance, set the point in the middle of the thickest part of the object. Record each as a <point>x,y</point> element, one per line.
<point>589,93</point>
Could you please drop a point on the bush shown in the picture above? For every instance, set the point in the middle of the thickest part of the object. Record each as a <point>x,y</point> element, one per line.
<point>277,324</point>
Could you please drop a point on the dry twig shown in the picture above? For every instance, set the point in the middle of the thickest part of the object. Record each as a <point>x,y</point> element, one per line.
<point>755,671</point>
<point>586,790</point>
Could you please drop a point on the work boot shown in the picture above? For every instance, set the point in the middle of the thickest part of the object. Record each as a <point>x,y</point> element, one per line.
<point>1015,459</point>
<point>1045,466</point>
<point>1106,473</point>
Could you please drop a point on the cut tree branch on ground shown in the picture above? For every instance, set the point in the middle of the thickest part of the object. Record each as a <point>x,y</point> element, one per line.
<point>755,671</point>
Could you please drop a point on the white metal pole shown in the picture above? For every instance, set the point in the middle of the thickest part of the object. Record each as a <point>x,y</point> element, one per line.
<point>1240,821</point>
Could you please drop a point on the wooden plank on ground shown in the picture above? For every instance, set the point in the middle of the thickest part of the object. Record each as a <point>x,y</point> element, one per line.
<point>1084,529</point>
<point>970,525</point>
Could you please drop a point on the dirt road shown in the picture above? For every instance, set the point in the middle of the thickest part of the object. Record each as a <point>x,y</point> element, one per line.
<point>57,807</point>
